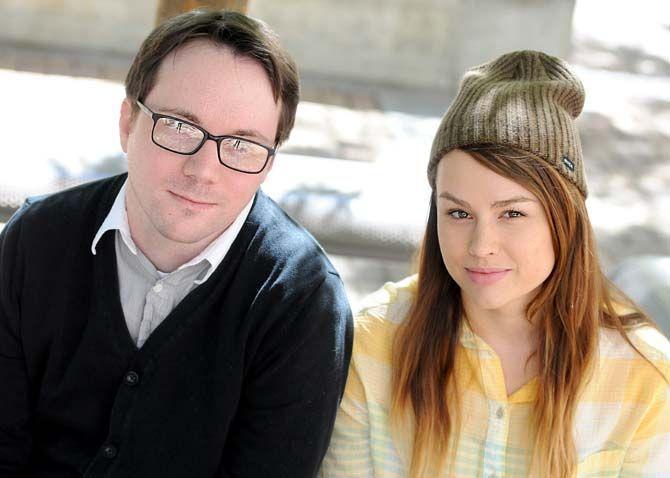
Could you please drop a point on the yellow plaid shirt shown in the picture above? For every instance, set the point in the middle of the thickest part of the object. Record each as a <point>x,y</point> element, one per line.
<point>622,426</point>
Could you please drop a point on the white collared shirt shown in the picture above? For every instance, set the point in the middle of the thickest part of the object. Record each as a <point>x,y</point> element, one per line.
<point>147,294</point>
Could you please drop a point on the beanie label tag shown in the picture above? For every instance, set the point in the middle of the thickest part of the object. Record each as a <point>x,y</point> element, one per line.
<point>568,164</point>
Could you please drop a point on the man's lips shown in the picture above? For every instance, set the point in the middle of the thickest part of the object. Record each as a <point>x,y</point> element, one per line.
<point>191,202</point>
<point>486,275</point>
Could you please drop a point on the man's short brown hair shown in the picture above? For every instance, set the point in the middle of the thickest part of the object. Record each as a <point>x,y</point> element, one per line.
<point>244,35</point>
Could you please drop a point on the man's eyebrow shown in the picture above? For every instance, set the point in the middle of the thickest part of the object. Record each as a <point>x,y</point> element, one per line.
<point>183,113</point>
<point>252,133</point>
<point>248,133</point>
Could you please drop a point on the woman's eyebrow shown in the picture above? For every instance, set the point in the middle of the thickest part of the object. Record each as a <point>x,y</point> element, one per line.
<point>446,195</point>
<point>501,203</point>
<point>507,202</point>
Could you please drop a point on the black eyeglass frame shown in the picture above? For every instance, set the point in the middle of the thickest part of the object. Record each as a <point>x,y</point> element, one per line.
<point>206,136</point>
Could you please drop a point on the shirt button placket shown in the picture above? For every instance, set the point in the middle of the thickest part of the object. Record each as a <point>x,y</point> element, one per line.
<point>110,451</point>
<point>131,378</point>
<point>496,437</point>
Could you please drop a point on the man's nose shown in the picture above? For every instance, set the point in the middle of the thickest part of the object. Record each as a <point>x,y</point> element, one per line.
<point>204,164</point>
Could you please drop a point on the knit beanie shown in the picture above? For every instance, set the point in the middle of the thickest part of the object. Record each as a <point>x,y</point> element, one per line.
<point>526,99</point>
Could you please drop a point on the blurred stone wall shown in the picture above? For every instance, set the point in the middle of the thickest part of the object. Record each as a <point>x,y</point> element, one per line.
<point>413,43</point>
<point>408,43</point>
<point>116,26</point>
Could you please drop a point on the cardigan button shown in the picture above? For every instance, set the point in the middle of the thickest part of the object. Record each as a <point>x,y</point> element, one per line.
<point>131,379</point>
<point>109,451</point>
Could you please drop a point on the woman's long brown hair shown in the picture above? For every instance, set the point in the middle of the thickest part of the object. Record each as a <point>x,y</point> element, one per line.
<point>574,302</point>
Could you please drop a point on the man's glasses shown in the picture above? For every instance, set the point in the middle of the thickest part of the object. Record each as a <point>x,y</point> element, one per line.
<point>182,137</point>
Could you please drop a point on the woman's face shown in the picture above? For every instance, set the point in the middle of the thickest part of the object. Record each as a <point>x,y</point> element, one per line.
<point>493,233</point>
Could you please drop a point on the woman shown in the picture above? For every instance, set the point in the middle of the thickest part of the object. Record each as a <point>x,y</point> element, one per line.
<point>510,354</point>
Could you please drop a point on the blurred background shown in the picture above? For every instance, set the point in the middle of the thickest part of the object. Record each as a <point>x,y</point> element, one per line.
<point>376,77</point>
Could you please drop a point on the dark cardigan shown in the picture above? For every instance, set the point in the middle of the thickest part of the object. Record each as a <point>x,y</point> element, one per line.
<point>242,379</point>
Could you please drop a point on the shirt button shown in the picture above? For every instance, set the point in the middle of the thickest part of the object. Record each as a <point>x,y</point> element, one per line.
<point>131,379</point>
<point>158,287</point>
<point>109,451</point>
<point>500,413</point>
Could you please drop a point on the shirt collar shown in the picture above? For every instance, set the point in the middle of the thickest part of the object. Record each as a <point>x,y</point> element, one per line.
<point>214,253</point>
<point>116,220</point>
<point>488,372</point>
<point>217,250</point>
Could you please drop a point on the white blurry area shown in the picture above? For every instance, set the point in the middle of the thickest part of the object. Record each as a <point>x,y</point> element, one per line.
<point>56,128</point>
<point>622,53</point>
<point>641,25</point>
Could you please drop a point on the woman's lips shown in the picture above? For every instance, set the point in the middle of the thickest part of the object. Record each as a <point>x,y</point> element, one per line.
<point>193,204</point>
<point>481,276</point>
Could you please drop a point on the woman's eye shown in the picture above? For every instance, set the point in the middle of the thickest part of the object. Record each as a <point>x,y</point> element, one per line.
<point>513,214</point>
<point>458,214</point>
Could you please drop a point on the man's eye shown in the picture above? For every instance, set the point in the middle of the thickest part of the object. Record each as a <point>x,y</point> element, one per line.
<point>240,145</point>
<point>177,126</point>
<point>236,146</point>
<point>458,214</point>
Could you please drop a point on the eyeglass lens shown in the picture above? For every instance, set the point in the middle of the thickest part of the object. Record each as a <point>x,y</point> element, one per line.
<point>183,138</point>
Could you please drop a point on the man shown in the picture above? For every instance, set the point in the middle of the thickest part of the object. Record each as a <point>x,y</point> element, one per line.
<point>175,322</point>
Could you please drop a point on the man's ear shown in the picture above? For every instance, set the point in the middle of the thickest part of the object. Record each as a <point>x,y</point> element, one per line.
<point>125,123</point>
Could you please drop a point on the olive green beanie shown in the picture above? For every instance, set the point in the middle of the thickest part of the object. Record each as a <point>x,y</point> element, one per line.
<point>525,99</point>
